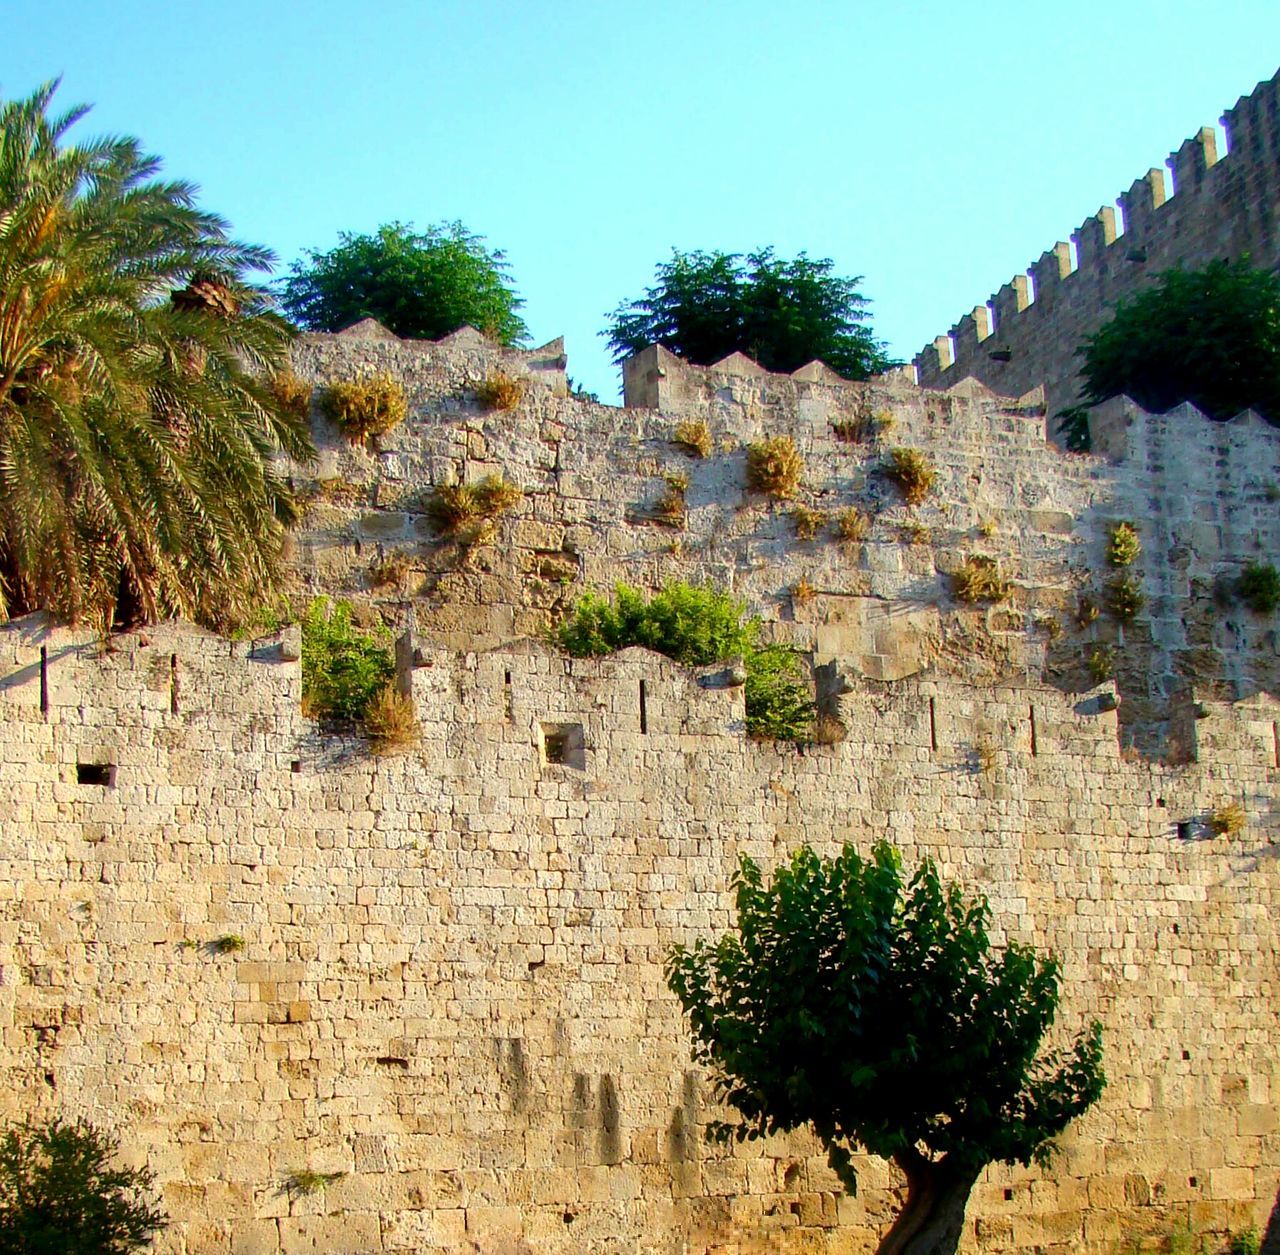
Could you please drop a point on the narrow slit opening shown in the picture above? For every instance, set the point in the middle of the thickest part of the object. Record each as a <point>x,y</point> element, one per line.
<point>644,709</point>
<point>1275,743</point>
<point>44,680</point>
<point>1035,746</point>
<point>101,774</point>
<point>173,684</point>
<point>933,727</point>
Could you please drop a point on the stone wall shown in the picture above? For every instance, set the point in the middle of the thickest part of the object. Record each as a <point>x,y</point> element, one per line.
<point>1201,495</point>
<point>1222,206</point>
<point>435,980</point>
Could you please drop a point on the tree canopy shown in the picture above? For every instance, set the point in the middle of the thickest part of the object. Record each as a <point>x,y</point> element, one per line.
<point>876,1012</point>
<point>1209,336</point>
<point>139,432</point>
<point>782,313</point>
<point>61,1195</point>
<point>420,285</point>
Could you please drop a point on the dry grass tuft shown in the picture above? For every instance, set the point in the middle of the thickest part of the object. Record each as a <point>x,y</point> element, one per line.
<point>365,408</point>
<point>291,394</point>
<point>979,580</point>
<point>1228,821</point>
<point>828,730</point>
<point>390,723</point>
<point>670,509</point>
<point>453,506</point>
<point>912,472</point>
<point>390,570</point>
<point>853,525</point>
<point>803,592</point>
<point>774,467</point>
<point>807,523</point>
<point>863,427</point>
<point>1123,545</point>
<point>500,392</point>
<point>693,438</point>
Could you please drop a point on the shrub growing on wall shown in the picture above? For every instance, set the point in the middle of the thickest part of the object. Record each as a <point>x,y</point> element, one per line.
<point>697,627</point>
<point>343,668</point>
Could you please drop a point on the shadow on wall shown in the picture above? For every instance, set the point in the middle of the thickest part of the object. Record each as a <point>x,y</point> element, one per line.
<point>1271,1239</point>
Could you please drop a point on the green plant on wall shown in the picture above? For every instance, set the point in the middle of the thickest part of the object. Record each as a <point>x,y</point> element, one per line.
<point>343,668</point>
<point>697,627</point>
<point>1123,545</point>
<point>1259,587</point>
<point>1124,598</point>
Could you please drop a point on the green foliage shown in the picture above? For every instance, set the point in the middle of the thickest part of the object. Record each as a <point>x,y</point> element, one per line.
<point>420,285</point>
<point>1245,1242</point>
<point>307,1182</point>
<point>876,1013</point>
<point>1208,336</point>
<point>698,627</point>
<point>1073,427</point>
<point>229,943</point>
<point>343,668</point>
<point>60,1194</point>
<point>1259,587</point>
<point>139,426</point>
<point>783,313</point>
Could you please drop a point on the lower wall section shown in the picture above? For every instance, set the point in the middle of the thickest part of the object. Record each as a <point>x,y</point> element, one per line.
<point>435,981</point>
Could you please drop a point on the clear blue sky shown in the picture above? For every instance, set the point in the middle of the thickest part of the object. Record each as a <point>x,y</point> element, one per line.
<point>934,148</point>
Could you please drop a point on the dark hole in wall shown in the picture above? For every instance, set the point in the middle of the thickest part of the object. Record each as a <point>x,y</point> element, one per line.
<point>610,1124</point>
<point>563,745</point>
<point>44,680</point>
<point>101,774</point>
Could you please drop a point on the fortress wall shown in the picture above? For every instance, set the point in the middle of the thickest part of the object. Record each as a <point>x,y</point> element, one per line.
<point>1223,205</point>
<point>1197,491</point>
<point>450,989</point>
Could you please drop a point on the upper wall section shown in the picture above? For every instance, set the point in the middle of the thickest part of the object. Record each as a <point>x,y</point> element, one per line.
<point>1222,206</point>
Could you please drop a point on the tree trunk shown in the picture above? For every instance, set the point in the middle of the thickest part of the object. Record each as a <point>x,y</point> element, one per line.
<point>932,1220</point>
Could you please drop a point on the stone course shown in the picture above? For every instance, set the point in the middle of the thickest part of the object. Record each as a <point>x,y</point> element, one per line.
<point>449,998</point>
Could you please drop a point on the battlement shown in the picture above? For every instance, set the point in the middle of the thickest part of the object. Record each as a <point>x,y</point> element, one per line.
<point>1220,206</point>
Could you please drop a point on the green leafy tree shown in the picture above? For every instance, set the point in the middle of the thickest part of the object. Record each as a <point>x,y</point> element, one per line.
<point>420,285</point>
<point>1208,336</point>
<point>60,1194</point>
<point>139,435</point>
<point>698,627</point>
<point>783,313</point>
<point>874,1012</point>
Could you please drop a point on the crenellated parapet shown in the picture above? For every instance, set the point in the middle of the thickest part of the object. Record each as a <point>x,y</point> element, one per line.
<point>1219,206</point>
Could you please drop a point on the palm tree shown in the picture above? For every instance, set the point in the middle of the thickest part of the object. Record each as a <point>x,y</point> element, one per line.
<point>141,447</point>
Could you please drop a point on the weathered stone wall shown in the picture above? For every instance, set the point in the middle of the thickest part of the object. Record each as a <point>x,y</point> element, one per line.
<point>1201,495</point>
<point>450,992</point>
<point>1221,207</point>
<point>260,952</point>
